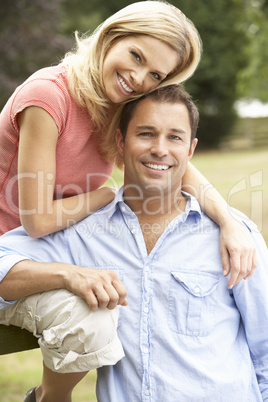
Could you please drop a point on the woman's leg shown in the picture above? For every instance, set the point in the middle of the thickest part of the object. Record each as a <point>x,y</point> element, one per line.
<point>57,387</point>
<point>73,339</point>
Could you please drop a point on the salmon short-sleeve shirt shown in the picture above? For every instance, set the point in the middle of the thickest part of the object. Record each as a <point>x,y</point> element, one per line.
<point>79,166</point>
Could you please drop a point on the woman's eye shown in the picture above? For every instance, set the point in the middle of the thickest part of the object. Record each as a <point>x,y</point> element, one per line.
<point>135,55</point>
<point>156,76</point>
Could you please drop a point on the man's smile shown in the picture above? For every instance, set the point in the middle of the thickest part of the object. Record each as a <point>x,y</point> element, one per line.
<point>156,166</point>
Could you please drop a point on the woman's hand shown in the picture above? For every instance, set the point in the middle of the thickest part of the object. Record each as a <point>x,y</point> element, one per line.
<point>238,252</point>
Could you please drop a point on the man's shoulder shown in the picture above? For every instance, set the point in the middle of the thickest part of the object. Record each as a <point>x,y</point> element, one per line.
<point>241,217</point>
<point>234,213</point>
<point>103,215</point>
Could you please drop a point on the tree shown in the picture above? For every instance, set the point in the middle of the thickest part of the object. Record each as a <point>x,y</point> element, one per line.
<point>253,78</point>
<point>29,40</point>
<point>214,85</point>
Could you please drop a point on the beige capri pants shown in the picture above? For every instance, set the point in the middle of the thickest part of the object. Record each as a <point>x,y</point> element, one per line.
<point>71,337</point>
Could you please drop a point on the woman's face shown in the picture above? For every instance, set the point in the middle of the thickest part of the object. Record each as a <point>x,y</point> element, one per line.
<point>136,65</point>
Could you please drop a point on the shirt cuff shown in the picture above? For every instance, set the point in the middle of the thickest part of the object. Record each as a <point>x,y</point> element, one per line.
<point>7,262</point>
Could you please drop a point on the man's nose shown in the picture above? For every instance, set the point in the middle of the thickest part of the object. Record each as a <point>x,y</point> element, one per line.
<point>159,148</point>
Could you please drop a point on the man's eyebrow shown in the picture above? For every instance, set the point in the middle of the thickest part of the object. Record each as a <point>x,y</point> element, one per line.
<point>178,131</point>
<point>153,128</point>
<point>150,128</point>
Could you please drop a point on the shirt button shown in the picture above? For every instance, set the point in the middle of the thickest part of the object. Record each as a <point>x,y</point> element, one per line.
<point>147,392</point>
<point>147,269</point>
<point>133,231</point>
<point>123,209</point>
<point>146,310</point>
<point>146,350</point>
<point>197,289</point>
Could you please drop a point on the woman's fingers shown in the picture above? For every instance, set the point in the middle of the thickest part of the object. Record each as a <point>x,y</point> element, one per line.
<point>238,253</point>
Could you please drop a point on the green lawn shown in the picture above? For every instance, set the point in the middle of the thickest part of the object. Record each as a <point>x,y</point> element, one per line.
<point>240,176</point>
<point>242,179</point>
<point>22,371</point>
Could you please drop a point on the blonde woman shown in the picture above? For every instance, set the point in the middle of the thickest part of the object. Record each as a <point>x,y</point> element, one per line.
<point>55,143</point>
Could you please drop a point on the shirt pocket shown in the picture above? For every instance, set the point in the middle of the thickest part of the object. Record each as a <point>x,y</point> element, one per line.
<point>192,302</point>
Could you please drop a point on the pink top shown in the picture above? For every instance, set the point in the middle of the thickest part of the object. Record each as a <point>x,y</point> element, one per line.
<point>79,166</point>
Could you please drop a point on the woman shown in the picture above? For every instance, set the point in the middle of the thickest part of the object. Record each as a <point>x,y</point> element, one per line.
<point>52,164</point>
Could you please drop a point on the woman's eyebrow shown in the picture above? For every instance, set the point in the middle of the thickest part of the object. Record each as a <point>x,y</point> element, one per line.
<point>145,60</point>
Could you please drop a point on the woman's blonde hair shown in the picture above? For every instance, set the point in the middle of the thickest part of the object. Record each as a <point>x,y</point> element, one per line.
<point>158,19</point>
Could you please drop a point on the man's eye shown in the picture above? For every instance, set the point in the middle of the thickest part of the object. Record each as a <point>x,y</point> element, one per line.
<point>175,137</point>
<point>145,134</point>
<point>135,55</point>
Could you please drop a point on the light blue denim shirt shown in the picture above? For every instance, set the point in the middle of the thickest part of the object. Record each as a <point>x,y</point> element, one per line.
<point>186,336</point>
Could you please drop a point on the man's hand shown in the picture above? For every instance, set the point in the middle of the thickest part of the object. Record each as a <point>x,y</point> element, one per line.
<point>100,288</point>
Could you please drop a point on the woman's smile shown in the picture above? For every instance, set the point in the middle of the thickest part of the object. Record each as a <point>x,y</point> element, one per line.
<point>124,86</point>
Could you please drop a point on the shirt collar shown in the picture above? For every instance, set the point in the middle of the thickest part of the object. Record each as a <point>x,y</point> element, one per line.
<point>192,205</point>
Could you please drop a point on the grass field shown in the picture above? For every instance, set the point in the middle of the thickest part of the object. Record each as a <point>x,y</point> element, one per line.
<point>242,179</point>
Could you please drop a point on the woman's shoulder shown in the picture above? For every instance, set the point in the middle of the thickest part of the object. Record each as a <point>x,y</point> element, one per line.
<point>46,77</point>
<point>46,88</point>
<point>56,73</point>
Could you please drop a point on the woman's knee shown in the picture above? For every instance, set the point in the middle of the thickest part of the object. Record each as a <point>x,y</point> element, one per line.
<point>76,327</point>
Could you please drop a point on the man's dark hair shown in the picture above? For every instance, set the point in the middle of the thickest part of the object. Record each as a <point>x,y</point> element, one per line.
<point>170,94</point>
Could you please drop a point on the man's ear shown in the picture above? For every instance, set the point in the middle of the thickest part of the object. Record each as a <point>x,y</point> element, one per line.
<point>119,142</point>
<point>192,148</point>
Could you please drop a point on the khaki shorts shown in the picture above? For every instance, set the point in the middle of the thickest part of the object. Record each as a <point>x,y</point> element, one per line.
<point>71,337</point>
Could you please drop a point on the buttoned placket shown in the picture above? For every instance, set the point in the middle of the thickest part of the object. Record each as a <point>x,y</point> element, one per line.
<point>145,341</point>
<point>132,222</point>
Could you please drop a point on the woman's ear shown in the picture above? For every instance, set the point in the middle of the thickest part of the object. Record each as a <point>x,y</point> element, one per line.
<point>119,142</point>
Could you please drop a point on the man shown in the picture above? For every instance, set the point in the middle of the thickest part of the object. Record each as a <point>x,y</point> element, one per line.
<point>185,335</point>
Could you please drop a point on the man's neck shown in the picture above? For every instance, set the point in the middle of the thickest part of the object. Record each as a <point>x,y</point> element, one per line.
<point>155,213</point>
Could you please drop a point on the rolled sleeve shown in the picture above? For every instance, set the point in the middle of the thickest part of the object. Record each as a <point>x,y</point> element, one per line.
<point>16,246</point>
<point>7,262</point>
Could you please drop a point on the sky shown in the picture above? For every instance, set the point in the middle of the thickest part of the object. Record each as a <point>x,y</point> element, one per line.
<point>251,108</point>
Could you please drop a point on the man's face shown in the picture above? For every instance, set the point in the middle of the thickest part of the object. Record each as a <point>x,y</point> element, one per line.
<point>157,147</point>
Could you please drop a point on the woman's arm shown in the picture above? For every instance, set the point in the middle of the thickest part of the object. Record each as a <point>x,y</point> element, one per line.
<point>236,246</point>
<point>39,214</point>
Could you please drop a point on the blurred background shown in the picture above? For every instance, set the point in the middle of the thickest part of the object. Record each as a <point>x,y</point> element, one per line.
<point>230,88</point>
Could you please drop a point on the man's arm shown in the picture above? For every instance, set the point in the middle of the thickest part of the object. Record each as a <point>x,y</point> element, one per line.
<point>251,298</point>
<point>100,288</point>
<point>22,276</point>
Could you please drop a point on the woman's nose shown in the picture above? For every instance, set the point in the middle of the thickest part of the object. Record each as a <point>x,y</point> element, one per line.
<point>138,78</point>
